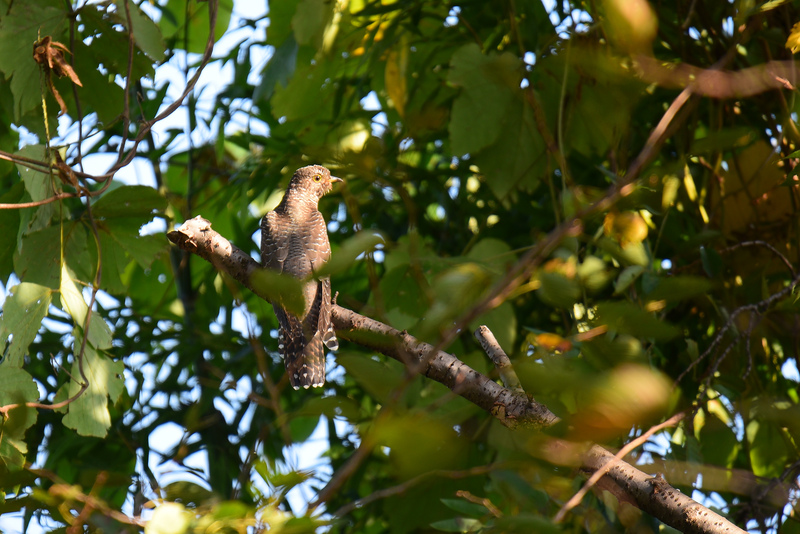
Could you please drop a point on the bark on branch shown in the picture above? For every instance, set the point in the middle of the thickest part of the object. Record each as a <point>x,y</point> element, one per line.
<point>649,493</point>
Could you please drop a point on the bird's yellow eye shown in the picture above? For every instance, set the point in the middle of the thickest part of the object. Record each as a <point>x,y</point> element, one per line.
<point>317,177</point>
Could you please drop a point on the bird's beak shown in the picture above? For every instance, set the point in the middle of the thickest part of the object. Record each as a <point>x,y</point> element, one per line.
<point>335,179</point>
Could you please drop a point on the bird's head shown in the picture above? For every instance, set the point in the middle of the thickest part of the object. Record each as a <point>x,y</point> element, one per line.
<point>314,180</point>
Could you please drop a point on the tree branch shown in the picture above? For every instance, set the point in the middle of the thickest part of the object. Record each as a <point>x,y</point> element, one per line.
<point>651,494</point>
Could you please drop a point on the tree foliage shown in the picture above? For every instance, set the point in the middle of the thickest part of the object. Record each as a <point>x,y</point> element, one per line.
<point>609,186</point>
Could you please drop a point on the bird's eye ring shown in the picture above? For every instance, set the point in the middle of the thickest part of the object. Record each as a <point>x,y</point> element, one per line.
<point>317,177</point>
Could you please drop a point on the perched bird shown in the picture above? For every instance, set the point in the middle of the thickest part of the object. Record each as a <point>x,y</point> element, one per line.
<point>294,240</point>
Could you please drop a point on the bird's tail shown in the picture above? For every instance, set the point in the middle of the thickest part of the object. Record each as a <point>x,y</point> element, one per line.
<point>305,361</point>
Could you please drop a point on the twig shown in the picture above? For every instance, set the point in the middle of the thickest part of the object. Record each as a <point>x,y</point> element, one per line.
<point>343,473</point>
<point>499,358</point>
<point>405,486</point>
<point>757,308</point>
<point>483,501</point>
<point>576,499</point>
<point>69,492</point>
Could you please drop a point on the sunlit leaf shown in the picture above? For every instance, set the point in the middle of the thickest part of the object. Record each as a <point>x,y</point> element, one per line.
<point>768,454</point>
<point>88,414</point>
<point>23,311</point>
<point>793,41</point>
<point>169,518</point>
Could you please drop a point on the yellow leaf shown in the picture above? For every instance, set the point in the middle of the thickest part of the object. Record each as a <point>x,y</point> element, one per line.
<point>395,78</point>
<point>626,227</point>
<point>793,42</point>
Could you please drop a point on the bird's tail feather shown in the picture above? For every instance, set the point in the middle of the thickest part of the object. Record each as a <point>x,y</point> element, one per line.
<point>305,362</point>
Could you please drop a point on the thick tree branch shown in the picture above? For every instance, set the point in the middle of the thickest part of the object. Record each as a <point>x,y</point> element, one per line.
<point>651,494</point>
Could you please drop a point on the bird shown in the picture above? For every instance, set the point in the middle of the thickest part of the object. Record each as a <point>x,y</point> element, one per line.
<point>294,241</point>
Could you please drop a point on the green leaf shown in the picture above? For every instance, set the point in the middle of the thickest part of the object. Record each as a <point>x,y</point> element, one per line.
<point>377,378</point>
<point>768,454</point>
<point>557,290</point>
<point>280,18</point>
<point>456,289</point>
<point>9,222</point>
<point>400,289</point>
<point>188,492</point>
<point>465,507</point>
<point>306,94</point>
<point>107,96</point>
<point>279,69</point>
<point>20,27</point>
<point>494,254</point>
<point>627,318</point>
<point>680,287</point>
<point>301,428</point>
<point>417,443</point>
<point>525,522</point>
<point>198,23</point>
<point>725,139</point>
<point>343,257</point>
<point>12,454</point>
<point>88,415</point>
<point>718,443</point>
<point>39,185</point>
<point>330,407</point>
<point>458,524</point>
<point>74,304</point>
<point>712,262</point>
<point>517,158</point>
<point>17,387</point>
<point>131,201</point>
<point>23,311</point>
<point>125,232</point>
<point>487,83</point>
<point>627,277</point>
<point>145,32</point>
<point>594,274</point>
<point>39,258</point>
<point>114,263</point>
<point>310,20</point>
<point>281,289</point>
<point>80,252</point>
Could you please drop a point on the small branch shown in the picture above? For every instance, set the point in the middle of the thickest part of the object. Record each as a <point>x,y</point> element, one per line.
<point>343,473</point>
<point>405,486</point>
<point>576,499</point>
<point>499,358</point>
<point>655,496</point>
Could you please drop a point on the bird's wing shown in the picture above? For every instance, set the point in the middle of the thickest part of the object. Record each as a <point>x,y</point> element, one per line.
<point>273,250</point>
<point>316,243</point>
